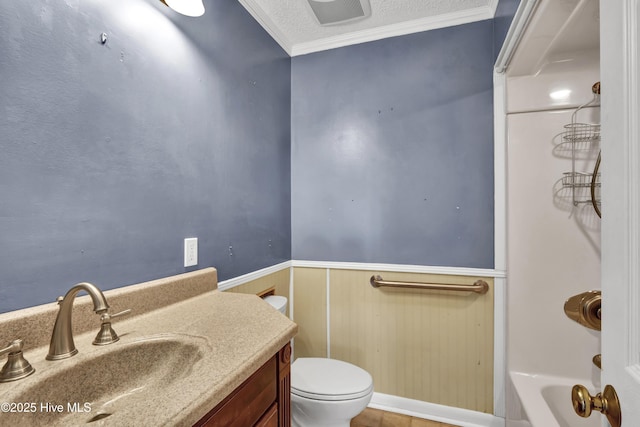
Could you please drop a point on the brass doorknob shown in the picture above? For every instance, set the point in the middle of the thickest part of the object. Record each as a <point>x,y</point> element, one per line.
<point>606,402</point>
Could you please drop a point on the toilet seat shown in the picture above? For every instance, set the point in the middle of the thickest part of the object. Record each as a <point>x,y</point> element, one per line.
<point>329,379</point>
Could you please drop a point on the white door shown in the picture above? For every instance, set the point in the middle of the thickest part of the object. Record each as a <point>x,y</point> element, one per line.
<point>620,77</point>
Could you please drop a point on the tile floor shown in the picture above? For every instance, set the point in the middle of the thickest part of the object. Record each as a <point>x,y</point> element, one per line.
<point>376,418</point>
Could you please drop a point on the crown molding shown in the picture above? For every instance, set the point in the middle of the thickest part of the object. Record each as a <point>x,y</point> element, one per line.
<point>493,5</point>
<point>394,30</point>
<point>400,29</point>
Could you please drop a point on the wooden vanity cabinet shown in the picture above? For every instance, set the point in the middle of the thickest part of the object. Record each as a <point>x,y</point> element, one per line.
<point>263,400</point>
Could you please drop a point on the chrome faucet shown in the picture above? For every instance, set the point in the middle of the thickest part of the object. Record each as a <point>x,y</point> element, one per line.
<point>62,345</point>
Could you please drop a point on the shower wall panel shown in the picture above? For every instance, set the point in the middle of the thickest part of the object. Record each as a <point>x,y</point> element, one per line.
<point>554,249</point>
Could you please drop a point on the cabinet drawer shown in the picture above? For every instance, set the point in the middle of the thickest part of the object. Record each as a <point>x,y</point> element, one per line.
<point>247,404</point>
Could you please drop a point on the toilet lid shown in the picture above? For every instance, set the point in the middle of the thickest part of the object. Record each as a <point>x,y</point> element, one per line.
<point>329,379</point>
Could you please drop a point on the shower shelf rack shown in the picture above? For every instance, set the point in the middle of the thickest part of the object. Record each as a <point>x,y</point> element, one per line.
<point>582,140</point>
<point>579,180</point>
<point>581,133</point>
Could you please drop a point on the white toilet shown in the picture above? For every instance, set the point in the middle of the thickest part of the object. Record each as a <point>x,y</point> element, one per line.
<point>325,392</point>
<point>277,302</point>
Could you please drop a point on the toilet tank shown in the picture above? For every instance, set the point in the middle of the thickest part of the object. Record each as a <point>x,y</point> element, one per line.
<point>278,302</point>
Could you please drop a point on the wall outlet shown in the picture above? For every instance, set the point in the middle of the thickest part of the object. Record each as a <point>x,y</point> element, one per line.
<point>190,251</point>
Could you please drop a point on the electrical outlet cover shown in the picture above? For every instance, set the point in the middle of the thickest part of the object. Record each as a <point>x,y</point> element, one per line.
<point>191,252</point>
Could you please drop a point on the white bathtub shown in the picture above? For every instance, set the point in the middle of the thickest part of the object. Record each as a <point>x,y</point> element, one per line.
<point>546,400</point>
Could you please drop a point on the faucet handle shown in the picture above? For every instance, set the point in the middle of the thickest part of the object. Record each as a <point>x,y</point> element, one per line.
<point>14,347</point>
<point>107,335</point>
<point>585,308</point>
<point>113,316</point>
<point>17,366</point>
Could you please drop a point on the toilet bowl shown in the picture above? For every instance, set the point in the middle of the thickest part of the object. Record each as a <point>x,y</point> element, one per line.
<point>325,392</point>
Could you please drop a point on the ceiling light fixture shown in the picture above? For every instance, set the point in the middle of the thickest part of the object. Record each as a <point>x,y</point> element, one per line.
<point>186,7</point>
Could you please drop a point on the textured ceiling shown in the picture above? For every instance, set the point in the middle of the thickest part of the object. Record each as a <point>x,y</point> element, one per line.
<point>292,23</point>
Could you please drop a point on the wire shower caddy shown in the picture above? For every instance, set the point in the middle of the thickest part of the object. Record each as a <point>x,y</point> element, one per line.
<point>583,137</point>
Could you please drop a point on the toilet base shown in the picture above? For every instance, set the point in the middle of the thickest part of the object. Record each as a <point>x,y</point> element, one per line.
<point>316,424</point>
<point>319,413</point>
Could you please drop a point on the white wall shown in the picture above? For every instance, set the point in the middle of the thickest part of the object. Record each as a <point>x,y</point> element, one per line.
<point>553,251</point>
<point>553,247</point>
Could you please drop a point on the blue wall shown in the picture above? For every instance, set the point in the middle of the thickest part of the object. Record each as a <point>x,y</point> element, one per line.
<point>392,150</point>
<point>178,127</point>
<point>112,154</point>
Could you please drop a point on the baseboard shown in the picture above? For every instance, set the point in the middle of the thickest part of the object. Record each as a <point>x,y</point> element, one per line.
<point>435,412</point>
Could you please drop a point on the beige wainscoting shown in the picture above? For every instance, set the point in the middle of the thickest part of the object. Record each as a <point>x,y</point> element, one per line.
<point>278,280</point>
<point>310,312</point>
<point>433,346</point>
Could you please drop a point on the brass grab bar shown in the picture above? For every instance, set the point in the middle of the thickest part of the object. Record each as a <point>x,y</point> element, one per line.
<point>479,287</point>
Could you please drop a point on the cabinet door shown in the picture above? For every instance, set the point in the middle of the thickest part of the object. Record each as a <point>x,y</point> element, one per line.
<point>270,419</point>
<point>246,405</point>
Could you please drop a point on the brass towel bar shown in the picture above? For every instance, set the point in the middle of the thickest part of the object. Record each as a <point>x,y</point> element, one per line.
<point>479,287</point>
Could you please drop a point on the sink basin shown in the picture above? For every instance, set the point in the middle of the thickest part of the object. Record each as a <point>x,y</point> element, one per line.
<point>109,382</point>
